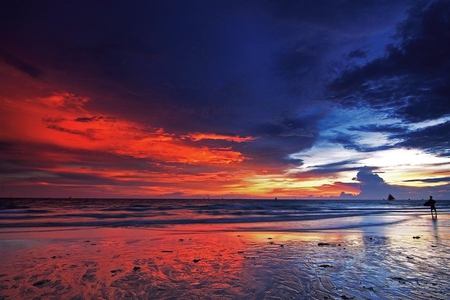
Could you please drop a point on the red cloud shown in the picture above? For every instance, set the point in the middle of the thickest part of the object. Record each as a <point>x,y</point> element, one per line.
<point>61,119</point>
<point>198,136</point>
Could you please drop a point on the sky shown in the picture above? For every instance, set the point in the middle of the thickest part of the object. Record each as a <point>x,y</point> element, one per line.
<point>342,99</point>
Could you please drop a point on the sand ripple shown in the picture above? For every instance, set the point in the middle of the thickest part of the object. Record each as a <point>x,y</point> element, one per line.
<point>230,266</point>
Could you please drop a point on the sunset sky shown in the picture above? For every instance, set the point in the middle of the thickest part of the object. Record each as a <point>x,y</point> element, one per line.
<point>232,99</point>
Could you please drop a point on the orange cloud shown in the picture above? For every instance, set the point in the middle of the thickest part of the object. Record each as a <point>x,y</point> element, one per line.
<point>61,146</point>
<point>197,136</point>
<point>62,120</point>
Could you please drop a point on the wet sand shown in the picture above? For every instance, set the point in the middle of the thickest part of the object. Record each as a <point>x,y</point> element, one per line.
<point>204,263</point>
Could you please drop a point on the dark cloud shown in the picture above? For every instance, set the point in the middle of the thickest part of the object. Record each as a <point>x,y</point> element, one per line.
<point>88,119</point>
<point>367,176</point>
<point>335,164</point>
<point>273,152</point>
<point>89,133</point>
<point>433,139</point>
<point>411,80</point>
<point>430,180</point>
<point>278,139</point>
<point>35,157</point>
<point>351,142</point>
<point>372,186</point>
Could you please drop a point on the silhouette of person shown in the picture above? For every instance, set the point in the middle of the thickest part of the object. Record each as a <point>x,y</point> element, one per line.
<point>433,207</point>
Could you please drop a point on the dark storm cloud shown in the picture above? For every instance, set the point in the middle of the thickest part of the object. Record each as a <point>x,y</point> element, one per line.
<point>411,80</point>
<point>433,139</point>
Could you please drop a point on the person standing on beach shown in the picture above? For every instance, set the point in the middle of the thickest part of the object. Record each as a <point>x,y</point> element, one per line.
<point>431,202</point>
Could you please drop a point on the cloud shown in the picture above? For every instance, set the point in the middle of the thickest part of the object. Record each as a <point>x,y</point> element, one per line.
<point>431,180</point>
<point>55,117</point>
<point>410,81</point>
<point>331,168</point>
<point>433,139</point>
<point>372,186</point>
<point>198,136</point>
<point>90,119</point>
<point>87,133</point>
<point>391,128</point>
<point>352,142</point>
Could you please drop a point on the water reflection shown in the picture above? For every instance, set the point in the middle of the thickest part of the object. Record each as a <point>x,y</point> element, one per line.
<point>209,262</point>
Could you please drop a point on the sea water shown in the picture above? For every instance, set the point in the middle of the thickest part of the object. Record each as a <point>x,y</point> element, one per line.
<point>232,214</point>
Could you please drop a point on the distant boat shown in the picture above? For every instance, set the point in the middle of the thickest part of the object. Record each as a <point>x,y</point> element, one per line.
<point>390,197</point>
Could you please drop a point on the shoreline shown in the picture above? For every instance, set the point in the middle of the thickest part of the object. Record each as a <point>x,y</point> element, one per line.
<point>201,262</point>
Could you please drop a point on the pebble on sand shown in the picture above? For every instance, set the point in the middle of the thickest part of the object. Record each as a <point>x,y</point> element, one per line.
<point>323,244</point>
<point>41,282</point>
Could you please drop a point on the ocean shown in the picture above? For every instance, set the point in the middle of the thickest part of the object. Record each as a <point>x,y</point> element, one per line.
<point>228,214</point>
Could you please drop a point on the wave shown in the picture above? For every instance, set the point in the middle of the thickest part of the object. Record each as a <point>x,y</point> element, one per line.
<point>306,214</point>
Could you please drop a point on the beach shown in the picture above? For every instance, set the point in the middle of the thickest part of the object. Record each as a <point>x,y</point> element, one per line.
<point>395,258</point>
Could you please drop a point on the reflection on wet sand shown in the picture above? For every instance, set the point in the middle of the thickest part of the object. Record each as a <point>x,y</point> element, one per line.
<point>191,263</point>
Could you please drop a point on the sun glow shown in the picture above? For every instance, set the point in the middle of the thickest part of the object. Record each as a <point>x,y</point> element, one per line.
<point>398,166</point>
<point>401,165</point>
